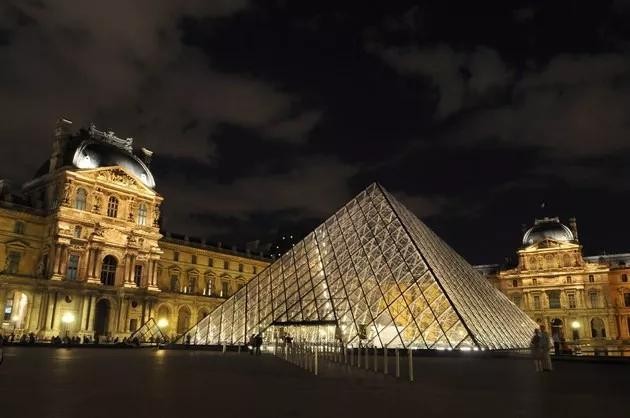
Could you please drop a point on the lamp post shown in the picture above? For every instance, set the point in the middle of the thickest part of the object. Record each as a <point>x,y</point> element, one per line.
<point>67,319</point>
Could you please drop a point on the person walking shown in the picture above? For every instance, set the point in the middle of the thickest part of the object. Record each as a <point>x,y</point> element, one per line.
<point>252,344</point>
<point>259,341</point>
<point>544,347</point>
<point>536,351</point>
<point>556,343</point>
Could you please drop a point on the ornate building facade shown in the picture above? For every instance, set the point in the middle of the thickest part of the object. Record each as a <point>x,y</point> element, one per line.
<point>82,252</point>
<point>583,300</point>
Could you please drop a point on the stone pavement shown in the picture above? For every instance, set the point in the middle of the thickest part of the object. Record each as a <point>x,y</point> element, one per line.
<point>60,382</point>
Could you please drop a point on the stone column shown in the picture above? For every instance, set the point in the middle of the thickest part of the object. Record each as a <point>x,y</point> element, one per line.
<point>92,311</point>
<point>63,265</point>
<point>92,265</point>
<point>153,281</point>
<point>57,262</point>
<point>85,304</point>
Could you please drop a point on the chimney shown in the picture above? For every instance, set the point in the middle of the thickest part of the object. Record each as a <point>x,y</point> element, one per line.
<point>573,226</point>
<point>62,132</point>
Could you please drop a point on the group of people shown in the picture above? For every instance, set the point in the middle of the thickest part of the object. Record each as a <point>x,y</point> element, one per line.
<point>540,345</point>
<point>255,341</point>
<point>24,339</point>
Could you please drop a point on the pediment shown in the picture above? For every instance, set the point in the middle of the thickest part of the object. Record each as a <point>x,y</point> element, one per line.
<point>116,176</point>
<point>17,243</point>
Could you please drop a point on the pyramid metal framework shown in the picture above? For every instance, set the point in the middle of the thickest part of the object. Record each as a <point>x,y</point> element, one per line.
<point>380,276</point>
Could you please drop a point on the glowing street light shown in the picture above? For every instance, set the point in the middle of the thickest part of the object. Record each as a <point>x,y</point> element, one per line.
<point>575,325</point>
<point>162,323</point>
<point>67,318</point>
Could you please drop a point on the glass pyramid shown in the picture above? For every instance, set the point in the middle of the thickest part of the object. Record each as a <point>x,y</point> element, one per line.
<point>375,274</point>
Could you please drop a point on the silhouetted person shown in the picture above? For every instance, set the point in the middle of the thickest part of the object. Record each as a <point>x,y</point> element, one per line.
<point>259,341</point>
<point>188,338</point>
<point>556,343</point>
<point>535,347</point>
<point>544,347</point>
<point>252,344</point>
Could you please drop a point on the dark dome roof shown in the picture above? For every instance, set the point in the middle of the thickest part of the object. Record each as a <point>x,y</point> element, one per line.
<point>547,228</point>
<point>94,154</point>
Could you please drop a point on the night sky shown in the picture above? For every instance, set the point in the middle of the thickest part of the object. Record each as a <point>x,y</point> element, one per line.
<point>265,117</point>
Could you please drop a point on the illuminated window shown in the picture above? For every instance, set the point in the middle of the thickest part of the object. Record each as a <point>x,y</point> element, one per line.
<point>73,267</point>
<point>572,302</point>
<point>19,227</point>
<point>80,199</point>
<point>8,307</point>
<point>77,231</point>
<point>137,275</point>
<point>225,289</point>
<point>108,271</point>
<point>175,283</point>
<point>537,304</point>
<point>142,214</point>
<point>13,262</point>
<point>112,207</point>
<point>207,290</point>
<point>192,284</point>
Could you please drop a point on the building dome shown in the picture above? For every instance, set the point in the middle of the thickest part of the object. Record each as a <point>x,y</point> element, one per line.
<point>547,228</point>
<point>95,154</point>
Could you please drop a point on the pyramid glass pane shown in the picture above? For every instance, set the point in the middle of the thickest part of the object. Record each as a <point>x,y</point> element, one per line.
<point>376,274</point>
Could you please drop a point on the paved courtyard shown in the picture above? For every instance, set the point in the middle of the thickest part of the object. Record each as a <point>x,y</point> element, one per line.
<point>49,382</point>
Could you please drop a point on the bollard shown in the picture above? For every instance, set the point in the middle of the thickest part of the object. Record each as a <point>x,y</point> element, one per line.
<point>410,366</point>
<point>367,358</point>
<point>359,357</point>
<point>397,363</point>
<point>345,356</point>
<point>239,348</point>
<point>224,348</point>
<point>316,365</point>
<point>385,364</point>
<point>351,356</point>
<point>375,360</point>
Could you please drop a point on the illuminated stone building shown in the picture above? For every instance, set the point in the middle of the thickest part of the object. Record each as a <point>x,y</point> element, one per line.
<point>580,299</point>
<point>81,252</point>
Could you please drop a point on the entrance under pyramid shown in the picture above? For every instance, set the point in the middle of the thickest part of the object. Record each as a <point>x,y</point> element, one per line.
<point>371,274</point>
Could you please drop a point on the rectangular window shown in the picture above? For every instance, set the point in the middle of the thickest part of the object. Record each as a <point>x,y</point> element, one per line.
<point>13,262</point>
<point>19,227</point>
<point>255,269</point>
<point>537,302</point>
<point>175,256</point>
<point>572,302</point>
<point>554,299</point>
<point>137,275</point>
<point>516,299</point>
<point>624,278</point>
<point>226,265</point>
<point>73,267</point>
<point>594,298</point>
<point>193,259</point>
<point>133,325</point>
<point>225,289</point>
<point>534,282</point>
<point>240,268</point>
<point>569,280</point>
<point>626,299</point>
<point>591,278</point>
<point>210,262</point>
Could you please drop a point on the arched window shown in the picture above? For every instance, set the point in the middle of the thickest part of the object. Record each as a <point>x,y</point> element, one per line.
<point>80,199</point>
<point>142,214</point>
<point>108,271</point>
<point>112,207</point>
<point>598,330</point>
